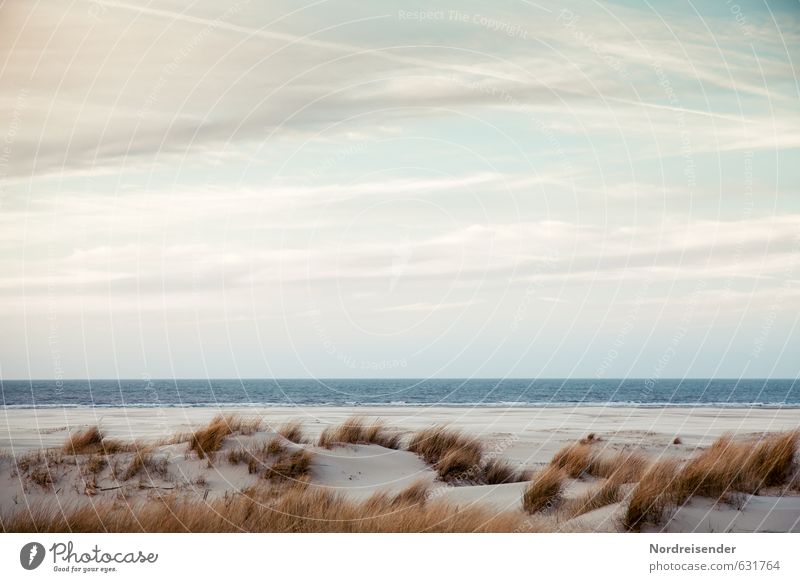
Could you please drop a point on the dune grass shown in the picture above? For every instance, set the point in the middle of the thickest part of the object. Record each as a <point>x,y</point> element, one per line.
<point>545,489</point>
<point>416,493</point>
<point>292,431</point>
<point>298,509</point>
<point>208,440</point>
<point>356,431</point>
<point>726,467</point>
<point>144,463</point>
<point>653,495</point>
<point>95,464</point>
<point>497,471</point>
<point>454,455</point>
<point>294,466</point>
<point>257,455</point>
<point>85,441</point>
<point>604,493</point>
<point>584,458</point>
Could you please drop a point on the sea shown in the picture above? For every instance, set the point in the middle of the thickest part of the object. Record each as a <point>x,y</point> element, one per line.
<point>777,393</point>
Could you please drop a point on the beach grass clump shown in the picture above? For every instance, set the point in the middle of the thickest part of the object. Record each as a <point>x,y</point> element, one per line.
<point>292,431</point>
<point>454,455</point>
<point>545,490</point>
<point>583,458</point>
<point>356,431</point>
<point>605,493</point>
<point>144,462</point>
<point>257,455</point>
<point>208,440</point>
<point>574,459</point>
<point>460,464</point>
<point>415,494</point>
<point>655,493</point>
<point>40,467</point>
<point>298,508</point>
<point>745,467</point>
<point>43,476</point>
<point>497,471</point>
<point>621,467</point>
<point>95,464</point>
<point>83,442</point>
<point>725,468</point>
<point>294,466</point>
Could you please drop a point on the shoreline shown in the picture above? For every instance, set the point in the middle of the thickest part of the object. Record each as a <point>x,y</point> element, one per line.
<point>537,431</point>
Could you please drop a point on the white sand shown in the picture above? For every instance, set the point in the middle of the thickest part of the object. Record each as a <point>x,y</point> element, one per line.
<point>527,437</point>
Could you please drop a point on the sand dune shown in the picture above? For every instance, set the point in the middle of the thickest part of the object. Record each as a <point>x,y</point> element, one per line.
<point>36,469</point>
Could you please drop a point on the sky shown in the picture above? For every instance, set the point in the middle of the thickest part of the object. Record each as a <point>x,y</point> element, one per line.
<point>399,189</point>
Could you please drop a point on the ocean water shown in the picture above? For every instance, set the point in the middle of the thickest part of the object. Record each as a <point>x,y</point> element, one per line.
<point>400,392</point>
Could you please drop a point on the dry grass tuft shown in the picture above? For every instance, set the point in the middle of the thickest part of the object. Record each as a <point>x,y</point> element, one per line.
<point>81,442</point>
<point>257,456</point>
<point>295,466</point>
<point>355,431</point>
<point>725,468</point>
<point>455,456</point>
<point>208,440</point>
<point>545,490</point>
<point>578,460</point>
<point>95,464</point>
<point>297,509</point>
<point>43,476</point>
<point>605,493</point>
<point>40,467</point>
<point>574,459</point>
<point>624,467</point>
<point>460,465</point>
<point>497,471</point>
<point>293,432</point>
<point>747,467</point>
<point>415,494</point>
<point>653,495</point>
<point>143,461</point>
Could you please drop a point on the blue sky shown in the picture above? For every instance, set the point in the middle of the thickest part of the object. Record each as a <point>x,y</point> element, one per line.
<point>352,189</point>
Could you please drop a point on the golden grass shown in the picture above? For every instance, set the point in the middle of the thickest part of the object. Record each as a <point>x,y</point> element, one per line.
<point>653,495</point>
<point>497,471</point>
<point>258,455</point>
<point>622,467</point>
<point>298,509</point>
<point>582,458</point>
<point>143,462</point>
<point>416,493</point>
<point>746,467</point>
<point>605,493</point>
<point>454,455</point>
<point>294,466</point>
<point>208,440</point>
<point>292,431</point>
<point>86,441</point>
<point>724,468</point>
<point>573,459</point>
<point>544,490</point>
<point>356,431</point>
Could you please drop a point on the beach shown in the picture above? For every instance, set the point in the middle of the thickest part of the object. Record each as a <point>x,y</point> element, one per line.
<point>525,440</point>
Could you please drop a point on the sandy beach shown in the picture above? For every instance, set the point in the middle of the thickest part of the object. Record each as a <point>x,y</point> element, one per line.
<point>526,440</point>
